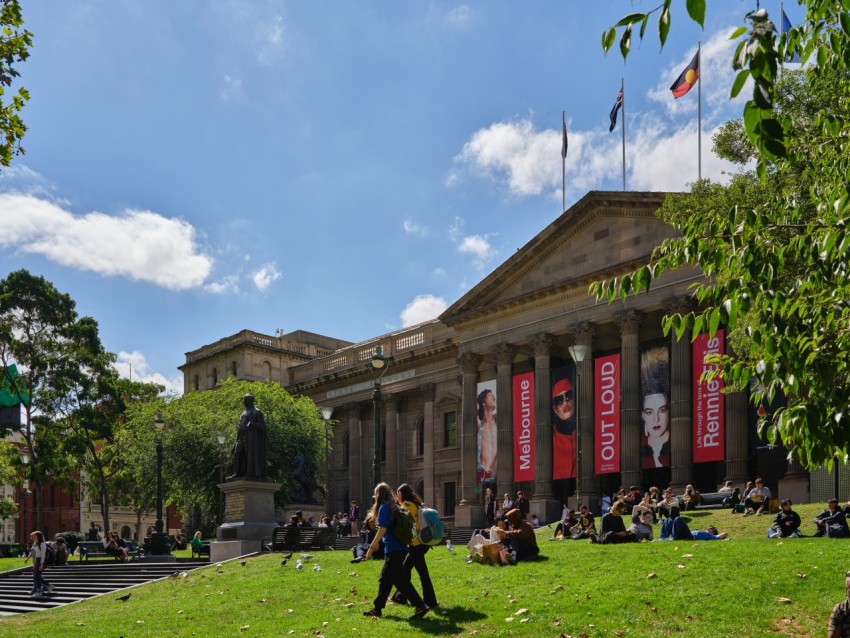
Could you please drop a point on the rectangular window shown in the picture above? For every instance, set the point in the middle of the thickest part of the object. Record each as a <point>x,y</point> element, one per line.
<point>450,429</point>
<point>449,498</point>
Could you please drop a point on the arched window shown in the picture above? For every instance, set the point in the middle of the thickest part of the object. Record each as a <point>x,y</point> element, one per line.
<point>125,532</point>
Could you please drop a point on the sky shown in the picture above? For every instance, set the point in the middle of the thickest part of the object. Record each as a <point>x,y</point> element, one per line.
<point>197,168</point>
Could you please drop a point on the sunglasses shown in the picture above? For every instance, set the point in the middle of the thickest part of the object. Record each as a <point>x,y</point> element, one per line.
<point>561,398</point>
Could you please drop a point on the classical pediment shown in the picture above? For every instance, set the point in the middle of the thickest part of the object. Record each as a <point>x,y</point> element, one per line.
<point>604,232</point>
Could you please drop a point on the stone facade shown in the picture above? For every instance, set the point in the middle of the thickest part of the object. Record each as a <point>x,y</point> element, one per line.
<point>521,318</point>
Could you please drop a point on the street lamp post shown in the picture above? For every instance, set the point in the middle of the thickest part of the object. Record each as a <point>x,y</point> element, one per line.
<point>221,438</point>
<point>26,458</point>
<point>327,413</point>
<point>379,364</point>
<point>159,540</point>
<point>578,353</point>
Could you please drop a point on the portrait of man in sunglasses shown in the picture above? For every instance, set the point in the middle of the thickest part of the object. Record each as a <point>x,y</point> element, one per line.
<point>563,423</point>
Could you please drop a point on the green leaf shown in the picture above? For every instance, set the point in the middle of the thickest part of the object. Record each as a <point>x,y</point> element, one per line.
<point>696,9</point>
<point>737,33</point>
<point>664,24</point>
<point>626,41</point>
<point>608,39</point>
<point>631,19</point>
<point>739,82</point>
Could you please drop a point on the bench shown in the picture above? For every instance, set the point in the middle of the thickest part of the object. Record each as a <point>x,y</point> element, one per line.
<point>203,550</point>
<point>715,500</point>
<point>302,538</point>
<point>95,549</point>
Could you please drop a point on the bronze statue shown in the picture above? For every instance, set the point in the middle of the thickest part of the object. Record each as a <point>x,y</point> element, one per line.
<point>249,451</point>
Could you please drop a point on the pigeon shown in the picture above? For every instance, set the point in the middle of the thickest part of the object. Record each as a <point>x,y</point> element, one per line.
<point>283,562</point>
<point>218,565</point>
<point>124,598</point>
<point>449,546</point>
<point>316,568</point>
<point>243,563</point>
<point>184,574</point>
<point>299,565</point>
<point>306,556</point>
<point>175,574</point>
<point>289,555</point>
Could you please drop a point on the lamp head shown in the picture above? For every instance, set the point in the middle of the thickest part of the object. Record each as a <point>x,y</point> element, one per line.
<point>26,457</point>
<point>327,413</point>
<point>578,352</point>
<point>379,361</point>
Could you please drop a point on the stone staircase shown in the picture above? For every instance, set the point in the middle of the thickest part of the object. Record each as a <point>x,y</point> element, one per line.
<point>78,581</point>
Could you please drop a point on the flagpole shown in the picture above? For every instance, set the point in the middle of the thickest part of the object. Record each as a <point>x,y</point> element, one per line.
<point>699,113</point>
<point>623,93</point>
<point>563,167</point>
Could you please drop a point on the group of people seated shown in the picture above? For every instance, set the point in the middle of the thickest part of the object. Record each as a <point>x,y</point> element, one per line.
<point>510,539</point>
<point>832,522</point>
<point>613,528</point>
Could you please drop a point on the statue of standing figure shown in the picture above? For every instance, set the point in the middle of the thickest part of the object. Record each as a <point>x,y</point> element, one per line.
<point>249,451</point>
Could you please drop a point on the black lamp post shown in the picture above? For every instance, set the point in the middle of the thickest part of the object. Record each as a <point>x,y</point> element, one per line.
<point>159,540</point>
<point>578,353</point>
<point>26,458</point>
<point>379,364</point>
<point>327,413</point>
<point>221,438</point>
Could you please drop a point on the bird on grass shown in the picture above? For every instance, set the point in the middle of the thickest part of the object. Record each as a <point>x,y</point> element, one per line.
<point>283,562</point>
<point>306,556</point>
<point>124,598</point>
<point>316,568</point>
<point>449,546</point>
<point>289,555</point>
<point>243,563</point>
<point>299,565</point>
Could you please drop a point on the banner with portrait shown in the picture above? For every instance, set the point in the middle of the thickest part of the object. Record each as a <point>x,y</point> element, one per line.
<point>607,414</point>
<point>655,407</point>
<point>523,408</point>
<point>487,431</point>
<point>708,401</point>
<point>563,422</point>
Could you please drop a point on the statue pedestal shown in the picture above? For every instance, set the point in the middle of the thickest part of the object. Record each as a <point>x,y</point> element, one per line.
<point>248,518</point>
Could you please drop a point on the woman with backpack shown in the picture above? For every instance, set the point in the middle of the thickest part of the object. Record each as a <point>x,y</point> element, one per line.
<point>40,587</point>
<point>385,511</point>
<point>416,552</point>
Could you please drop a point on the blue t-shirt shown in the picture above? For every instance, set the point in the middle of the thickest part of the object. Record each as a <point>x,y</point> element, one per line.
<point>700,535</point>
<point>385,520</point>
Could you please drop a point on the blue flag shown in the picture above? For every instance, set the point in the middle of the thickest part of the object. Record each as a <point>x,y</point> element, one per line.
<point>617,105</point>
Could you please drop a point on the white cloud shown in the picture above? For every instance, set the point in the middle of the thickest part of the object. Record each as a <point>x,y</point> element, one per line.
<point>456,228</point>
<point>271,40</point>
<point>460,15</point>
<point>413,228</point>
<point>661,147</point>
<point>422,308</point>
<point>230,87</point>
<point>134,366</point>
<point>519,152</point>
<point>227,284</point>
<point>479,247</point>
<point>141,245</point>
<point>264,276</point>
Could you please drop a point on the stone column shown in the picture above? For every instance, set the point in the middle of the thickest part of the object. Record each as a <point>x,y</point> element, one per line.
<point>737,438</point>
<point>390,475</point>
<point>584,333</point>
<point>630,426</point>
<point>543,503</point>
<point>366,454</point>
<point>681,408</point>
<point>795,483</point>
<point>429,391</point>
<point>354,458</point>
<point>505,354</point>
<point>468,513</point>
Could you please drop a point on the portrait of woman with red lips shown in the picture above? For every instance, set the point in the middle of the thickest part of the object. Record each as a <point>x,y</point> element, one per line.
<point>655,408</point>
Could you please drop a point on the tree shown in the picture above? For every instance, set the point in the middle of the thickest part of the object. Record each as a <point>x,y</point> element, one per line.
<point>15,43</point>
<point>193,460</point>
<point>36,321</point>
<point>776,268</point>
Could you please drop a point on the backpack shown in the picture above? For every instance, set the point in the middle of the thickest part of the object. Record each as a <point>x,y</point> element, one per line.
<point>430,526</point>
<point>49,556</point>
<point>404,527</point>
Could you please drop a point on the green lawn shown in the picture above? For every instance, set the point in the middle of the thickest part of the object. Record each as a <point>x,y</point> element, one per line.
<point>746,586</point>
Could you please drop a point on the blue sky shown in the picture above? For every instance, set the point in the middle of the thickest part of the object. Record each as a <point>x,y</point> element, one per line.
<point>196,168</point>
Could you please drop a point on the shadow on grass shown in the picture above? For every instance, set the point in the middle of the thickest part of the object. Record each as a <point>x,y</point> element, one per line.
<point>448,620</point>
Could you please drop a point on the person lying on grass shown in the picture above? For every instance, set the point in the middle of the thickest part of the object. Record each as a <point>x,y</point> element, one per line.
<point>710,533</point>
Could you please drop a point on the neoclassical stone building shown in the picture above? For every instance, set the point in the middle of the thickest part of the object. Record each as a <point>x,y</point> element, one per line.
<point>472,399</point>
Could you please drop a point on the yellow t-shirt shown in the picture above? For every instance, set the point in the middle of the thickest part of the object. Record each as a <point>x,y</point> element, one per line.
<point>414,510</point>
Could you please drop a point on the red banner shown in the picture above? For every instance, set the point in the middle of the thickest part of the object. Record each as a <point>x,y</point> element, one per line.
<point>607,414</point>
<point>708,401</point>
<point>523,403</point>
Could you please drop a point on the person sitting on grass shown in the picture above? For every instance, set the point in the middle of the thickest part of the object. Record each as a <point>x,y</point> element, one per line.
<point>832,522</point>
<point>786,523</point>
<point>669,505</point>
<point>646,505</point>
<point>613,529</point>
<point>642,529</point>
<point>692,498</point>
<point>568,520</point>
<point>710,533</point>
<point>586,525</point>
<point>757,499</point>
<point>519,537</point>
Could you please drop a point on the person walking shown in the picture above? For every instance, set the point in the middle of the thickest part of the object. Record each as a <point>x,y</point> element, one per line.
<point>40,587</point>
<point>416,552</point>
<point>393,572</point>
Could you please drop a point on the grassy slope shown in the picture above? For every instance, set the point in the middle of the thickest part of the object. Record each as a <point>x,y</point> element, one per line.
<point>699,589</point>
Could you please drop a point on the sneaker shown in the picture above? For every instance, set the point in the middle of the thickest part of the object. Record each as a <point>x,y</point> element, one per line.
<point>421,611</point>
<point>374,613</point>
<point>37,595</point>
<point>592,538</point>
<point>747,512</point>
<point>398,600</point>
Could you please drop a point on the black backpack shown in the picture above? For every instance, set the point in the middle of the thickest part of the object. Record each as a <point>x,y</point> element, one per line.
<point>49,556</point>
<point>404,527</point>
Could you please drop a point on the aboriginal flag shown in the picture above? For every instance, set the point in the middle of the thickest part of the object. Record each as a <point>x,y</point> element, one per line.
<point>564,143</point>
<point>687,79</point>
